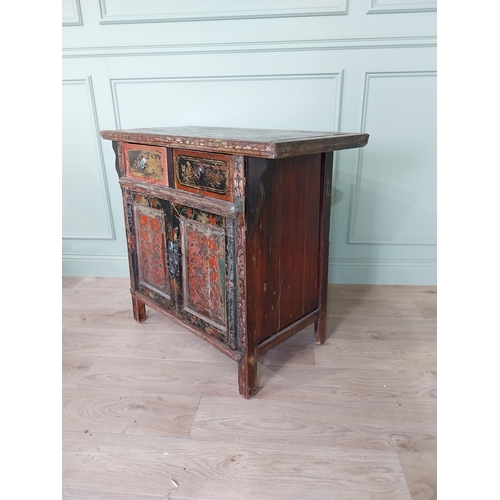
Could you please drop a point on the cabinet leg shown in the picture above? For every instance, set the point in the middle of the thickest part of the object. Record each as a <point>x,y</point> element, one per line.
<point>320,331</point>
<point>139,309</point>
<point>247,376</point>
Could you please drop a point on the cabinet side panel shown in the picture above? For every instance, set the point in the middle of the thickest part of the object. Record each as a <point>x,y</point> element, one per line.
<point>312,233</point>
<point>286,266</point>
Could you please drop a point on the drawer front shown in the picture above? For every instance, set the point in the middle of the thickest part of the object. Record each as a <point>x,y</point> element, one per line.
<point>205,173</point>
<point>146,163</point>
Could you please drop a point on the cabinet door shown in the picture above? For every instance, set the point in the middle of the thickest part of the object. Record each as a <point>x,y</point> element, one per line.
<point>150,224</point>
<point>208,272</point>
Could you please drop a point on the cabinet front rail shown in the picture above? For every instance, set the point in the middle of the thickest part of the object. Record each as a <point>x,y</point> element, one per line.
<point>219,207</point>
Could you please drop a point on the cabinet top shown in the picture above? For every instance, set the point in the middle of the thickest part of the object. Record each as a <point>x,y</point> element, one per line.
<point>242,141</point>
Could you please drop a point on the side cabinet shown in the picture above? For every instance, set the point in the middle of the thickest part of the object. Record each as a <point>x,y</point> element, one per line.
<point>227,232</point>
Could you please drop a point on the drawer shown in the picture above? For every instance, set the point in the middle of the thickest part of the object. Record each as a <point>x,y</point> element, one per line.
<point>146,163</point>
<point>205,173</point>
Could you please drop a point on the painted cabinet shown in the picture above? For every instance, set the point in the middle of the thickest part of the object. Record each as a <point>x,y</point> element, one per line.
<point>228,232</point>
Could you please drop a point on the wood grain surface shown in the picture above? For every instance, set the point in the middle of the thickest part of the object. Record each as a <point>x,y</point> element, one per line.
<point>252,142</point>
<point>146,405</point>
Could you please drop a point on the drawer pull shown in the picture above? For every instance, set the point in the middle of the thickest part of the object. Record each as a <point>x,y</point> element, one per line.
<point>142,163</point>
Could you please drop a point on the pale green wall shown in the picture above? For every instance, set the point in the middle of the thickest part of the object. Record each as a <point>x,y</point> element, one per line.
<point>358,65</point>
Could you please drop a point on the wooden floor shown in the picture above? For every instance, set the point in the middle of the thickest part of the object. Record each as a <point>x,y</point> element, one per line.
<point>152,412</point>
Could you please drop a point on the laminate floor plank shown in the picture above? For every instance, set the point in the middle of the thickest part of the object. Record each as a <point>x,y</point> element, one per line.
<point>163,376</point>
<point>84,494</point>
<point>90,298</point>
<point>391,354</point>
<point>179,346</point>
<point>114,317</point>
<point>347,386</point>
<point>427,308</point>
<point>383,329</point>
<point>131,412</point>
<point>356,426</point>
<point>374,308</point>
<point>221,470</point>
<point>99,283</point>
<point>420,473</point>
<point>74,367</point>
<point>297,350</point>
<point>70,281</point>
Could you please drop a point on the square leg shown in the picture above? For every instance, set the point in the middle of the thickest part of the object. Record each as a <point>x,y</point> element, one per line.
<point>320,330</point>
<point>247,376</point>
<point>139,309</point>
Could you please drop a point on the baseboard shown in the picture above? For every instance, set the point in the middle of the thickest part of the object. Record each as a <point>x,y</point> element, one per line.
<point>113,266</point>
<point>382,272</point>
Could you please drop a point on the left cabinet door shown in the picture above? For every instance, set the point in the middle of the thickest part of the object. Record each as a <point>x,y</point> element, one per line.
<point>149,227</point>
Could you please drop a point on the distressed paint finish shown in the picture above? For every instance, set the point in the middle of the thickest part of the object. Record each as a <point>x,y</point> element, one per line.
<point>199,172</point>
<point>203,241</point>
<point>239,197</point>
<point>259,143</point>
<point>128,212</point>
<point>204,270</point>
<point>150,227</point>
<point>231,285</point>
<point>120,161</point>
<point>149,221</point>
<point>146,163</point>
<point>219,207</point>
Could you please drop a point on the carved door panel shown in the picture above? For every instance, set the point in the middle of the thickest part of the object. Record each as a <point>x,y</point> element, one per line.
<point>207,272</point>
<point>150,225</point>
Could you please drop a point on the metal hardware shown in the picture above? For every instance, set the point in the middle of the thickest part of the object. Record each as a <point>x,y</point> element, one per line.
<point>173,259</point>
<point>142,163</point>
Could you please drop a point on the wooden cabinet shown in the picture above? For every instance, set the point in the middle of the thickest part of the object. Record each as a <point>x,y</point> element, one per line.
<point>227,231</point>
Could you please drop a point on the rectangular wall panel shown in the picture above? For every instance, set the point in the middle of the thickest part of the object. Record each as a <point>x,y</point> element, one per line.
<point>85,203</point>
<point>281,101</point>
<point>394,195</point>
<point>71,13</point>
<point>401,6</point>
<point>131,11</point>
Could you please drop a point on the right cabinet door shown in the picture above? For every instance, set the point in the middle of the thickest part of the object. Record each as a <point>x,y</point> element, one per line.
<point>207,278</point>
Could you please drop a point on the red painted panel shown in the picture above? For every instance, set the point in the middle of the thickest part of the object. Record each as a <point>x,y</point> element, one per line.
<point>204,270</point>
<point>150,224</point>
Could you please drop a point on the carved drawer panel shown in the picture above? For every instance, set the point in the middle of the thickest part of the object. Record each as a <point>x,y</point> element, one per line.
<point>207,173</point>
<point>146,163</point>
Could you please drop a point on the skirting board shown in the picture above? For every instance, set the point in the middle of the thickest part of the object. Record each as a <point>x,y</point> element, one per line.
<point>112,266</point>
<point>382,272</point>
